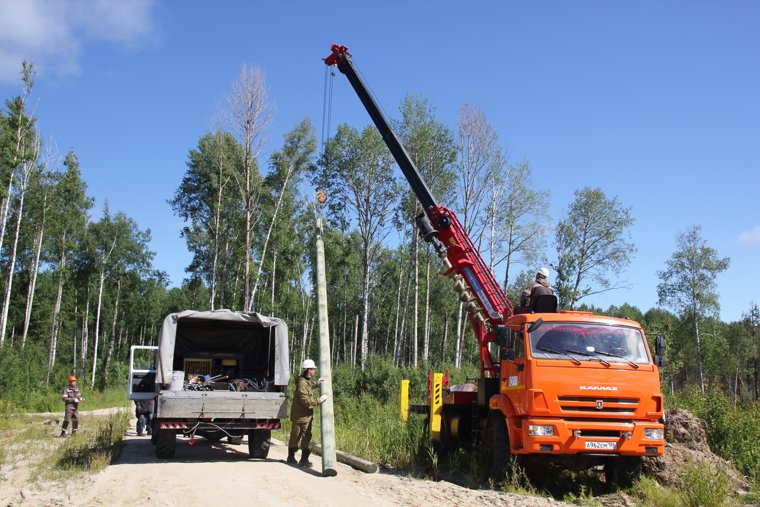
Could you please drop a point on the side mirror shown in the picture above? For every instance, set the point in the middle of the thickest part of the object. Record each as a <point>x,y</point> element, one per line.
<point>501,336</point>
<point>659,351</point>
<point>535,325</point>
<point>659,345</point>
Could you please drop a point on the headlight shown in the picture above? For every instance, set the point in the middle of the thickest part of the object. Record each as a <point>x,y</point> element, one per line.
<point>653,433</point>
<point>536,430</point>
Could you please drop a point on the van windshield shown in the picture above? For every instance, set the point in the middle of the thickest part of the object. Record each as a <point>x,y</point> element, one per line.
<point>588,342</point>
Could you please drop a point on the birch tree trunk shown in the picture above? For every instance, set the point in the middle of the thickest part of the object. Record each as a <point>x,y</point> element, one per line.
<point>426,338</point>
<point>274,272</point>
<point>56,315</point>
<point>356,339</point>
<point>415,316</point>
<point>112,339</point>
<point>460,336</point>
<point>97,327</point>
<point>365,310</point>
<point>445,337</point>
<point>32,283</point>
<point>85,332</point>
<point>23,183</point>
<point>269,232</point>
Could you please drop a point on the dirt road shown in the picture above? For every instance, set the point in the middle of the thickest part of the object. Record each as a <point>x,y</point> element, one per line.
<point>223,474</point>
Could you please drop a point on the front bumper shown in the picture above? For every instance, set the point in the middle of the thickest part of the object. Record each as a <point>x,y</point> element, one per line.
<point>588,437</point>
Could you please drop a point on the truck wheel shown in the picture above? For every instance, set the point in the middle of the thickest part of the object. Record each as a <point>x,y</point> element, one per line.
<point>259,442</point>
<point>496,427</point>
<point>166,443</point>
<point>623,471</point>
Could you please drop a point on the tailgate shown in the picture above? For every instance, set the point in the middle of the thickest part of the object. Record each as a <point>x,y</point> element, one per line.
<point>221,405</point>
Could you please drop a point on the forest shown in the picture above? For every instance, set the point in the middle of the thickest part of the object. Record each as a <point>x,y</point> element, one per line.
<point>79,286</point>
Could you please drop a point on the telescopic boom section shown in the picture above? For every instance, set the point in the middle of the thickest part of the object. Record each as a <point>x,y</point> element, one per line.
<point>487,305</point>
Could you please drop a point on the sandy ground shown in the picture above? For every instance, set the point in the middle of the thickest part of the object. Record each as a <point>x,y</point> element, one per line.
<point>223,474</point>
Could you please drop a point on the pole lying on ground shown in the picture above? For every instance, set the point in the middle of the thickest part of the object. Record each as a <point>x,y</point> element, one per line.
<point>329,462</point>
<point>348,459</point>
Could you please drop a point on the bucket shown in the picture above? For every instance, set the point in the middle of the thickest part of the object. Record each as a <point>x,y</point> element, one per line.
<point>178,381</point>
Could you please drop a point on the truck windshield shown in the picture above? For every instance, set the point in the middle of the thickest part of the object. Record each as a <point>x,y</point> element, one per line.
<point>613,343</point>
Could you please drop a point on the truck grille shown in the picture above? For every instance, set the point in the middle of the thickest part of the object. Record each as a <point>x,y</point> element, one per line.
<point>598,404</point>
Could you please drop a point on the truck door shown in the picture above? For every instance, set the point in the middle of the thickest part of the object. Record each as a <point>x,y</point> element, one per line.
<point>142,372</point>
<point>514,370</point>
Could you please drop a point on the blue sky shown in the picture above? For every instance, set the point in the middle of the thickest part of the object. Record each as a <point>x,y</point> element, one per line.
<point>654,102</point>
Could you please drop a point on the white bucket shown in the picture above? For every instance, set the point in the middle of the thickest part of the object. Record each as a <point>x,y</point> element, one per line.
<point>178,381</point>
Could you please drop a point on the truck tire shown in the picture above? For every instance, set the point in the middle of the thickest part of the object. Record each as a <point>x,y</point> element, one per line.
<point>259,442</point>
<point>166,443</point>
<point>497,436</point>
<point>623,471</point>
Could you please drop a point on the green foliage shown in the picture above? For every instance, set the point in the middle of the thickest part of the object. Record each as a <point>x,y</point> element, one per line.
<point>732,433</point>
<point>593,243</point>
<point>651,494</point>
<point>93,449</point>
<point>704,486</point>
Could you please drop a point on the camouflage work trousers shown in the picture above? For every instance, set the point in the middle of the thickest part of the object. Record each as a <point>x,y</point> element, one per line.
<point>72,414</point>
<point>300,433</point>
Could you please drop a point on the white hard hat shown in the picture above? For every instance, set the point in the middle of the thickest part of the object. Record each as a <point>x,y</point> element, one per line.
<point>543,272</point>
<point>308,364</point>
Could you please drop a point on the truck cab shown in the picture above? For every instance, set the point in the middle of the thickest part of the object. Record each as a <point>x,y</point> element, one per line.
<point>575,384</point>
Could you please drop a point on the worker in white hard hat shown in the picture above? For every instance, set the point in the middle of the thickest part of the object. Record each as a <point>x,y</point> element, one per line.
<point>302,413</point>
<point>539,287</point>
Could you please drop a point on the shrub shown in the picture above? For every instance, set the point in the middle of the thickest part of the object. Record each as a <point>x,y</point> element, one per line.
<point>704,487</point>
<point>732,434</point>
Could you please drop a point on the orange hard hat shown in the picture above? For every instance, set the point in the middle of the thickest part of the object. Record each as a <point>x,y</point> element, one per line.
<point>72,378</point>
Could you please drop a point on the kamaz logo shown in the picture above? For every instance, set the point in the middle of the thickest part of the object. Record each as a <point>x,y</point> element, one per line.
<point>598,388</point>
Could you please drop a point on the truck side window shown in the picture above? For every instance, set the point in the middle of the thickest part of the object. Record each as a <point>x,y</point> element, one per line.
<point>517,342</point>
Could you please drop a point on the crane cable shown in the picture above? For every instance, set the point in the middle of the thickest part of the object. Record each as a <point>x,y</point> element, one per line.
<point>327,95</point>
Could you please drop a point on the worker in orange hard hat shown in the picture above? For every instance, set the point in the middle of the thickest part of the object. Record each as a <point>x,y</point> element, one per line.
<point>71,398</point>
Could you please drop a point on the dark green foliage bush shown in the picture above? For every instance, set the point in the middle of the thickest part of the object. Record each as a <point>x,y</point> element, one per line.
<point>23,376</point>
<point>382,380</point>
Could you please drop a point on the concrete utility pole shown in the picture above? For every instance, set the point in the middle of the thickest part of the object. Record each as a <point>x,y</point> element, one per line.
<point>329,459</point>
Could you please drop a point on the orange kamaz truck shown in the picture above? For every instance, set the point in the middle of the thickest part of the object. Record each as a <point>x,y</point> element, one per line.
<point>567,387</point>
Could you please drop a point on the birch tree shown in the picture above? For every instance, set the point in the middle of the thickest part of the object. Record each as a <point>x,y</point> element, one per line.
<point>69,208</point>
<point>480,158</point>
<point>249,112</point>
<point>688,283</point>
<point>430,145</point>
<point>357,172</point>
<point>593,246</point>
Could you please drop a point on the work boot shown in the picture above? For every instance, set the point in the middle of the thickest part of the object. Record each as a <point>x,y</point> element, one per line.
<point>305,459</point>
<point>292,456</point>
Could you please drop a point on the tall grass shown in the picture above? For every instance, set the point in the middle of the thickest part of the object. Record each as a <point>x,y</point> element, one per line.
<point>94,448</point>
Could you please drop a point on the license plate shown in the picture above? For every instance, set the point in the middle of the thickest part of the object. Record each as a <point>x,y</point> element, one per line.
<point>608,446</point>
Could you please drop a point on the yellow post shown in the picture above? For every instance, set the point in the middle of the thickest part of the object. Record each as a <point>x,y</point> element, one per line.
<point>436,407</point>
<point>404,400</point>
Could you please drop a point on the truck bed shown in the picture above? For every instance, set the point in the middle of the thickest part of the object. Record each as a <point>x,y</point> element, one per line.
<point>221,405</point>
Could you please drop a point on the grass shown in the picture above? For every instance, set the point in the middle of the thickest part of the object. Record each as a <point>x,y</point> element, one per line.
<point>92,449</point>
<point>30,440</point>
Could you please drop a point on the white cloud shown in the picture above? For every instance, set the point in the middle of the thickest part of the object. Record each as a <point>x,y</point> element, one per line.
<point>750,237</point>
<point>51,33</point>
